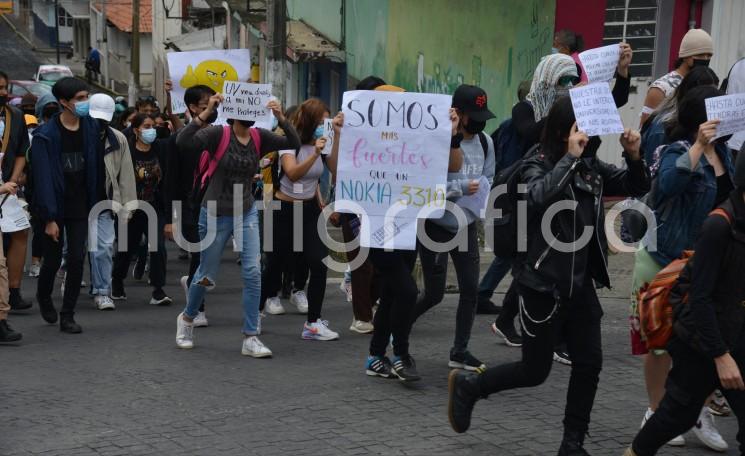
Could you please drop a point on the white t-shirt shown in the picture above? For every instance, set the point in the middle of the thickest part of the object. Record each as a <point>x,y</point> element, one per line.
<point>305,187</point>
<point>668,83</point>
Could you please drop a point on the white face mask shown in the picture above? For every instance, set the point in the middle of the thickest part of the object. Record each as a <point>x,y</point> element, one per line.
<point>2,128</point>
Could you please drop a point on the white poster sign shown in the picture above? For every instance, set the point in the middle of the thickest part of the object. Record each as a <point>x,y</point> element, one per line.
<point>476,203</point>
<point>394,151</point>
<point>600,63</point>
<point>595,110</point>
<point>246,101</point>
<point>12,215</point>
<point>729,110</point>
<point>210,68</point>
<point>328,133</point>
<point>390,233</point>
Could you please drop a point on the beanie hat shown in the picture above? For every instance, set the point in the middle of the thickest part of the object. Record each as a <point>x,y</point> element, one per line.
<point>740,171</point>
<point>696,42</point>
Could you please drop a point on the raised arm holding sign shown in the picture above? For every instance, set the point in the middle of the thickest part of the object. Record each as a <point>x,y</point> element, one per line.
<point>246,101</point>
<point>600,63</point>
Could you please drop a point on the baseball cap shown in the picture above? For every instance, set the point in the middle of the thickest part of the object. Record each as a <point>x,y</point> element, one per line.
<point>472,100</point>
<point>102,107</point>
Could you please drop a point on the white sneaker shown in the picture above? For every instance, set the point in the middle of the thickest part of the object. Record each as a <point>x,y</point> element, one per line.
<point>346,287</point>
<point>361,327</point>
<point>200,321</point>
<point>274,306</point>
<point>707,433</point>
<point>184,332</point>
<point>676,442</point>
<point>34,270</point>
<point>318,330</point>
<point>185,286</point>
<point>104,303</point>
<point>299,300</point>
<point>252,346</point>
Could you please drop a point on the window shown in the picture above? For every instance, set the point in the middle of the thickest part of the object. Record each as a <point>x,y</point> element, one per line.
<point>635,22</point>
<point>63,19</point>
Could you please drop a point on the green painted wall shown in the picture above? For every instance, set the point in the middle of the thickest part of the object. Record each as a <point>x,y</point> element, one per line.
<point>367,35</point>
<point>323,15</point>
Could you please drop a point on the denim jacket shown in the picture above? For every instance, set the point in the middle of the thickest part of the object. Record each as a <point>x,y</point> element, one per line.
<point>683,198</point>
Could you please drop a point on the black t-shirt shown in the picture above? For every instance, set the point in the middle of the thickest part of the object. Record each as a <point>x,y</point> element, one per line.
<point>724,188</point>
<point>101,169</point>
<point>148,171</point>
<point>73,167</point>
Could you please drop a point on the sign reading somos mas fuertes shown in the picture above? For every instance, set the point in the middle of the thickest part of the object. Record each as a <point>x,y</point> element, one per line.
<point>394,151</point>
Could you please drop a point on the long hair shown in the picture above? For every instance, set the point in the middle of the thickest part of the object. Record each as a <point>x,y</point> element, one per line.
<point>556,131</point>
<point>698,76</point>
<point>692,113</point>
<point>307,117</point>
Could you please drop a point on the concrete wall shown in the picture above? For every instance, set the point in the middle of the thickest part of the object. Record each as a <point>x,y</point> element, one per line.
<point>323,15</point>
<point>725,18</point>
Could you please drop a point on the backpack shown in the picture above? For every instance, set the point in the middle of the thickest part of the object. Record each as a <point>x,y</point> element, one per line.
<point>507,144</point>
<point>208,163</point>
<point>507,236</point>
<point>655,303</point>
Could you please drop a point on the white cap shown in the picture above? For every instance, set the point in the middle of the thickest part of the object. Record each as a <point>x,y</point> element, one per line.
<point>101,107</point>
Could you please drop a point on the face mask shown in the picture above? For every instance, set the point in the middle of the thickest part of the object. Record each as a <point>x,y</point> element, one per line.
<point>318,133</point>
<point>701,62</point>
<point>554,50</point>
<point>82,108</point>
<point>148,135</point>
<point>163,132</point>
<point>2,128</point>
<point>562,92</point>
<point>473,127</point>
<point>275,123</point>
<point>3,100</point>
<point>127,124</point>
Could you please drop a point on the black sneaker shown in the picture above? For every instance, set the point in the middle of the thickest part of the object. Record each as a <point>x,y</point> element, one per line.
<point>160,298</point>
<point>17,302</point>
<point>378,366</point>
<point>573,444</point>
<point>68,325</point>
<point>405,369</point>
<point>466,361</point>
<point>117,290</point>
<point>139,270</point>
<point>7,334</point>
<point>562,357</point>
<point>463,392</point>
<point>508,333</point>
<point>486,307</point>
<point>46,307</point>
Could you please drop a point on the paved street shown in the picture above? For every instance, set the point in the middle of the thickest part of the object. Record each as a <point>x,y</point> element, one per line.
<point>16,58</point>
<point>123,388</point>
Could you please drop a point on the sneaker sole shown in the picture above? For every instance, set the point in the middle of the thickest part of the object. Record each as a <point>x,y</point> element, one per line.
<point>184,347</point>
<point>359,331</point>
<point>201,325</point>
<point>371,373</point>
<point>162,302</point>
<point>276,313</point>
<point>119,298</point>
<point>319,338</point>
<point>712,447</point>
<point>256,355</point>
<point>562,361</point>
<point>716,412</point>
<point>507,342</point>
<point>105,308</point>
<point>457,365</point>
<point>677,444</point>
<point>406,380</point>
<point>451,390</point>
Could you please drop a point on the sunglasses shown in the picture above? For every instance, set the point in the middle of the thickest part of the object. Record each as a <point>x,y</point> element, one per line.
<point>566,81</point>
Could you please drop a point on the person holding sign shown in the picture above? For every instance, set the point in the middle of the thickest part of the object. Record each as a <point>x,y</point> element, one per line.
<point>233,153</point>
<point>475,175</point>
<point>300,172</point>
<point>556,278</point>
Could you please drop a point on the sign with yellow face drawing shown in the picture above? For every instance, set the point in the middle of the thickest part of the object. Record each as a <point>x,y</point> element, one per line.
<point>209,68</point>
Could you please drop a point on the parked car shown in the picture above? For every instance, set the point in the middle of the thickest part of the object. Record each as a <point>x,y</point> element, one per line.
<point>17,89</point>
<point>49,74</point>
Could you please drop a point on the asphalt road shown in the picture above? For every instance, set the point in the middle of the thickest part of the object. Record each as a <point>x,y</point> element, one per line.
<point>16,58</point>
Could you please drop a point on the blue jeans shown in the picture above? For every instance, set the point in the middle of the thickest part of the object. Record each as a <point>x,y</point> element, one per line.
<point>102,258</point>
<point>209,265</point>
<point>496,272</point>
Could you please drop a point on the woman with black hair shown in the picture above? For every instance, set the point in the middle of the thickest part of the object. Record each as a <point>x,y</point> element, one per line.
<point>556,277</point>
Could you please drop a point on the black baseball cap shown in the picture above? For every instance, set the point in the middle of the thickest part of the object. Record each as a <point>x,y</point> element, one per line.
<point>471,100</point>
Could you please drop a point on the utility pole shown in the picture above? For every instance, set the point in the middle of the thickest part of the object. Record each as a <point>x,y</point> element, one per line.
<point>134,86</point>
<point>276,43</point>
<point>105,44</point>
<point>56,28</point>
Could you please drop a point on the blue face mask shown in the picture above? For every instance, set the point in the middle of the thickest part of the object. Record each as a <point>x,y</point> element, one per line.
<point>82,108</point>
<point>554,50</point>
<point>148,135</point>
<point>319,132</point>
<point>275,123</point>
<point>2,128</point>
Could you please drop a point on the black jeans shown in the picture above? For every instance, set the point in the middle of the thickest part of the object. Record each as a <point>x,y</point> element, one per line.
<point>136,228</point>
<point>510,306</point>
<point>38,241</point>
<point>311,256</point>
<point>435,269</point>
<point>579,319</point>
<point>690,382</point>
<point>191,234</point>
<point>397,299</point>
<point>75,232</point>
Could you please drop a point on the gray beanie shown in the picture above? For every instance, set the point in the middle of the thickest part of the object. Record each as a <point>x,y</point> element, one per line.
<point>740,170</point>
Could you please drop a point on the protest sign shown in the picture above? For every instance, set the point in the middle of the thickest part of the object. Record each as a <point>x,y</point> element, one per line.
<point>12,215</point>
<point>210,68</point>
<point>390,233</point>
<point>476,203</point>
<point>729,110</point>
<point>600,63</point>
<point>328,133</point>
<point>246,101</point>
<point>394,151</point>
<point>595,110</point>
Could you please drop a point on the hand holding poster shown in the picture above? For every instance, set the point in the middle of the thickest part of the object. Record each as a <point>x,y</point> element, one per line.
<point>600,63</point>
<point>210,68</point>
<point>246,101</point>
<point>729,110</point>
<point>595,110</point>
<point>394,152</point>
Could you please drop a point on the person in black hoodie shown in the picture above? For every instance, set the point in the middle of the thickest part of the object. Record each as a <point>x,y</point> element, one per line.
<point>556,277</point>
<point>707,346</point>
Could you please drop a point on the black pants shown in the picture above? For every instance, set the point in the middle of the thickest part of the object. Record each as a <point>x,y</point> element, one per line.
<point>38,240</point>
<point>397,299</point>
<point>311,257</point>
<point>136,228</point>
<point>510,306</point>
<point>191,234</point>
<point>690,382</point>
<point>75,233</point>
<point>579,319</point>
<point>435,269</point>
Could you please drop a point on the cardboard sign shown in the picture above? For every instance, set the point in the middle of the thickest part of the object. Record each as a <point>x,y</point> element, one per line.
<point>595,110</point>
<point>729,110</point>
<point>210,68</point>
<point>246,101</point>
<point>394,151</point>
<point>600,63</point>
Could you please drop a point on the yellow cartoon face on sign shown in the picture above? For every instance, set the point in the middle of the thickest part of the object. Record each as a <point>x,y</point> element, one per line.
<point>212,73</point>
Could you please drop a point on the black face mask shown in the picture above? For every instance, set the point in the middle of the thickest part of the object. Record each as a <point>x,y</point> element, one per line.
<point>47,113</point>
<point>162,132</point>
<point>701,62</point>
<point>3,101</point>
<point>246,123</point>
<point>474,127</point>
